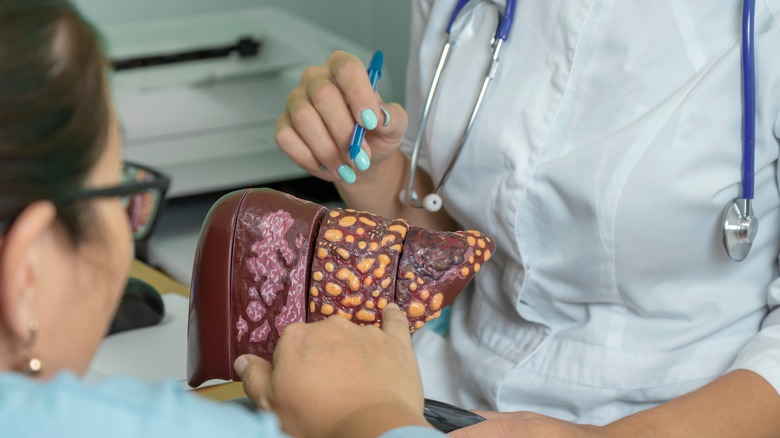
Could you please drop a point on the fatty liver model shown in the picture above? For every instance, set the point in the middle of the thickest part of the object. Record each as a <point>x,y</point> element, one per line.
<point>266,259</point>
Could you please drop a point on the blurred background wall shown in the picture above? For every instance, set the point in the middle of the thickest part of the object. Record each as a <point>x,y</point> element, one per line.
<point>374,24</point>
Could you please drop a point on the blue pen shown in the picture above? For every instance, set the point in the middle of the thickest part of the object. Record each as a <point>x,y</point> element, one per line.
<point>374,73</point>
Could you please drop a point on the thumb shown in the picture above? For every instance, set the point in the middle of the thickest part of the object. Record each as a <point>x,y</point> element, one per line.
<point>517,415</point>
<point>491,414</point>
<point>393,120</point>
<point>255,373</point>
<point>395,324</point>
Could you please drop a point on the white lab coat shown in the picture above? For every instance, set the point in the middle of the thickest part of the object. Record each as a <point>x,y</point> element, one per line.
<point>601,162</point>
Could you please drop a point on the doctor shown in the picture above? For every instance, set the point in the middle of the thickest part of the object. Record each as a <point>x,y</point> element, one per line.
<point>602,158</point>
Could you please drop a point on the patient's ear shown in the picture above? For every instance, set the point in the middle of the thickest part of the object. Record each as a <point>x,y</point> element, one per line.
<point>21,265</point>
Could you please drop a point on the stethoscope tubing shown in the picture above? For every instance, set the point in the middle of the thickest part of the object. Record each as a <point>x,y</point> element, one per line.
<point>504,26</point>
<point>411,195</point>
<point>502,33</point>
<point>748,100</point>
<point>740,224</point>
<point>489,75</point>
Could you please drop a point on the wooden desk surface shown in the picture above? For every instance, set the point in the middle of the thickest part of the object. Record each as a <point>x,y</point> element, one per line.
<point>166,284</point>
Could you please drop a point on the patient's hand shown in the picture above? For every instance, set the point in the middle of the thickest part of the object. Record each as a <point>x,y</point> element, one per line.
<point>334,378</point>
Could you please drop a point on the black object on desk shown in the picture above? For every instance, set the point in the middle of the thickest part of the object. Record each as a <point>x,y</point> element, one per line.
<point>245,47</point>
<point>141,306</point>
<point>446,417</point>
<point>443,416</point>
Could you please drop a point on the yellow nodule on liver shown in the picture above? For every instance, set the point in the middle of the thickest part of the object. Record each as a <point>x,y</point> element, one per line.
<point>333,289</point>
<point>364,315</point>
<point>436,301</point>
<point>333,235</point>
<point>347,221</point>
<point>416,309</point>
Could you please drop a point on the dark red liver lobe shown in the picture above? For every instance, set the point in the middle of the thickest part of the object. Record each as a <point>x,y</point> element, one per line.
<point>435,267</point>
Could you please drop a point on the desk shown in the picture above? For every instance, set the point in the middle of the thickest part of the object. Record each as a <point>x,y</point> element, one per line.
<point>165,284</point>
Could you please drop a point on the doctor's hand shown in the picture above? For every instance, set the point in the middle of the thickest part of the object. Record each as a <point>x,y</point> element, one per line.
<point>335,378</point>
<point>316,126</point>
<point>526,424</point>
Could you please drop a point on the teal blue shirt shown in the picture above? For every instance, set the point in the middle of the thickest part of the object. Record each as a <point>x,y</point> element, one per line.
<point>122,407</point>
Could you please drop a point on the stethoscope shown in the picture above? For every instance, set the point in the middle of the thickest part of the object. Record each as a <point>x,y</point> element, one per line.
<point>740,224</point>
<point>432,202</point>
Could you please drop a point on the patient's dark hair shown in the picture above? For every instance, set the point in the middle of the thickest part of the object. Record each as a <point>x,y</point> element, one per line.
<point>54,113</point>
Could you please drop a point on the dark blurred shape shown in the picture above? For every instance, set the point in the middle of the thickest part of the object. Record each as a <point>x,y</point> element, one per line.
<point>245,47</point>
<point>141,306</point>
<point>446,417</point>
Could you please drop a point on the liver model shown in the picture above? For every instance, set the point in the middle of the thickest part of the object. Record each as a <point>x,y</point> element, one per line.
<point>266,259</point>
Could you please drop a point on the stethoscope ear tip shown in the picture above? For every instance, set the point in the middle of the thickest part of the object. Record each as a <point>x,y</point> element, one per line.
<point>432,202</point>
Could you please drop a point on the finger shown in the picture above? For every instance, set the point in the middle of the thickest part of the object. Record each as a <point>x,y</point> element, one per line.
<point>489,414</point>
<point>395,324</point>
<point>385,138</point>
<point>294,147</point>
<point>352,78</point>
<point>497,427</point>
<point>310,127</point>
<point>329,102</point>
<point>394,119</point>
<point>482,429</point>
<point>255,373</point>
<point>517,415</point>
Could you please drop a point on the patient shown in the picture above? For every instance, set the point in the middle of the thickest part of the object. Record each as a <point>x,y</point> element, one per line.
<point>69,210</point>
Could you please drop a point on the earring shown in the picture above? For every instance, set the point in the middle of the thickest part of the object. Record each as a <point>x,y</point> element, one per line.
<point>33,365</point>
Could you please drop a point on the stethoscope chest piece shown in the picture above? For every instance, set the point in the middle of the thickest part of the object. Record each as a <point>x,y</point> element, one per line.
<point>739,228</point>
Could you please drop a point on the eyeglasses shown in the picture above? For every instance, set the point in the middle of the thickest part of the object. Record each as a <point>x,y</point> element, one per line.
<point>142,191</point>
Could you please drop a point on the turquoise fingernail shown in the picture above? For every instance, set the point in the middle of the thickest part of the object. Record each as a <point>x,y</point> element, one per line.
<point>362,161</point>
<point>387,117</point>
<point>347,174</point>
<point>369,119</point>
